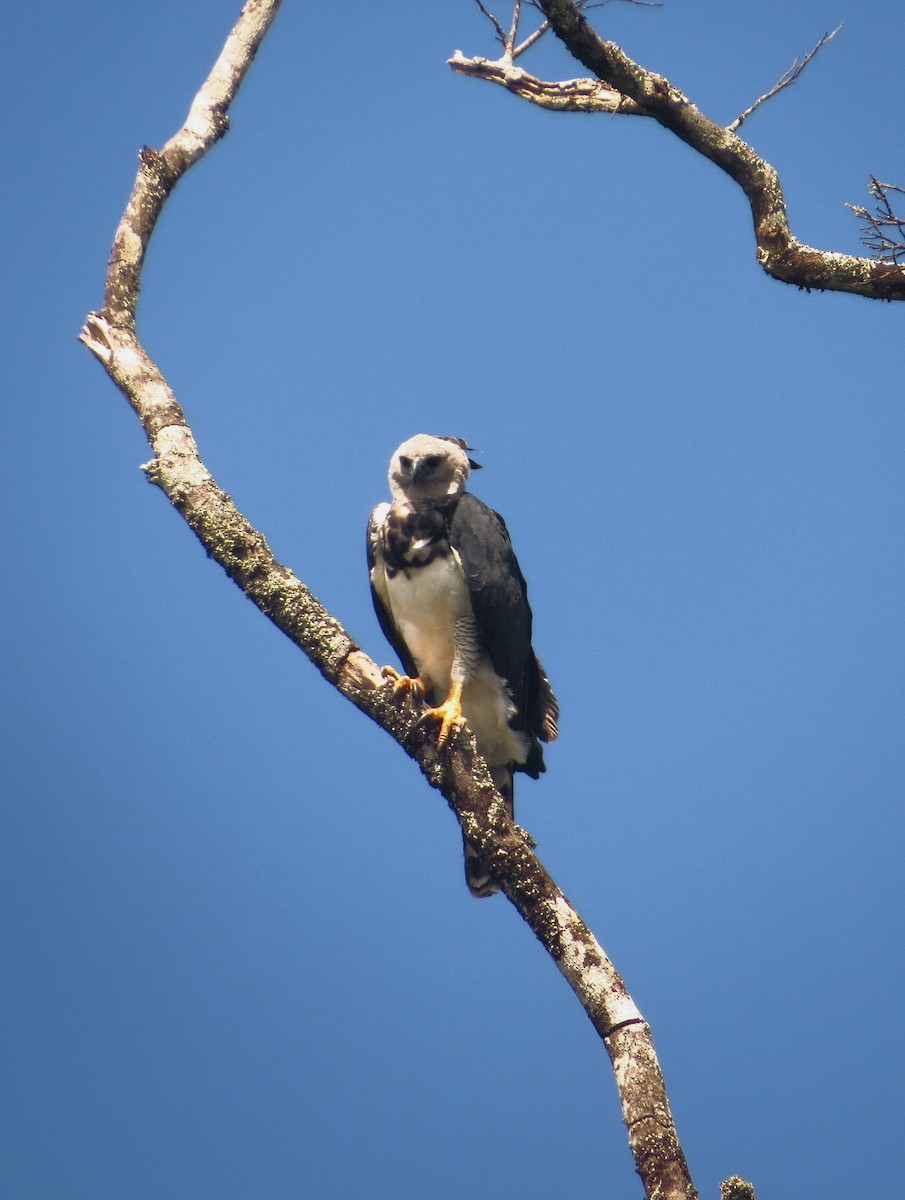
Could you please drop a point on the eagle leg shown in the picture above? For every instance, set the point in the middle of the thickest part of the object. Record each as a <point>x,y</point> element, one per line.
<point>449,713</point>
<point>419,687</point>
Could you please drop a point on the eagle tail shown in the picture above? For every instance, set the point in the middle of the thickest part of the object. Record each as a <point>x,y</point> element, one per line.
<point>480,882</point>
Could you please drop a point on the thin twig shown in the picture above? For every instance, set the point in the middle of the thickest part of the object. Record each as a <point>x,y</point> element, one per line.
<point>512,51</point>
<point>784,81</point>
<point>530,40</point>
<point>887,248</point>
<point>500,31</point>
<point>513,28</point>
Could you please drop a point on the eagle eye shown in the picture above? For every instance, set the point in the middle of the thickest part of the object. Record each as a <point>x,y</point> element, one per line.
<point>405,462</point>
<point>432,461</point>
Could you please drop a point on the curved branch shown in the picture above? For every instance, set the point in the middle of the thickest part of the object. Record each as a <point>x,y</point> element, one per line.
<point>779,252</point>
<point>458,771</point>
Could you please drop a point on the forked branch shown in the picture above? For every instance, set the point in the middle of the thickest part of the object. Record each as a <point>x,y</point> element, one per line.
<point>883,230</point>
<point>512,47</point>
<point>779,252</point>
<point>458,771</point>
<point>569,95</point>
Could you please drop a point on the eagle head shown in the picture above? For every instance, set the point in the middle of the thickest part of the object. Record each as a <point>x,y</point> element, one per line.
<point>427,469</point>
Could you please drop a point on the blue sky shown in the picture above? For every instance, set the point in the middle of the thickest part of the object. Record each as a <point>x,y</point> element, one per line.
<point>239,957</point>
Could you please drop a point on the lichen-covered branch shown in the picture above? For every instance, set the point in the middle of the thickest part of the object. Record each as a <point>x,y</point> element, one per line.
<point>160,170</point>
<point>779,252</point>
<point>458,771</point>
<point>736,1188</point>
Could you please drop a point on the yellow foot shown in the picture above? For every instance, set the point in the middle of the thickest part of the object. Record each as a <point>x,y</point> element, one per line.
<point>449,714</point>
<point>418,687</point>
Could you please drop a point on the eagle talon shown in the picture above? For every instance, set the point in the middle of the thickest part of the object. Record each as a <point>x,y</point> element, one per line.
<point>418,687</point>
<point>449,714</point>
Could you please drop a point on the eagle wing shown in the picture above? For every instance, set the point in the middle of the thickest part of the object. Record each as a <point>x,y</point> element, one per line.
<point>499,601</point>
<point>379,593</point>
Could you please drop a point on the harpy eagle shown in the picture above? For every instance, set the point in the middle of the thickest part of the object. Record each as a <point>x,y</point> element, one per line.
<point>453,603</point>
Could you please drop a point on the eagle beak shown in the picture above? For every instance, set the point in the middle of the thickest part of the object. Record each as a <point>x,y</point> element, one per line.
<point>418,469</point>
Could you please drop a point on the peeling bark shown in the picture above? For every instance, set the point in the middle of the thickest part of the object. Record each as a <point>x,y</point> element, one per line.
<point>569,95</point>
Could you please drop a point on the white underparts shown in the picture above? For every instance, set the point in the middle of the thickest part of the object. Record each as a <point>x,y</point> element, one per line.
<point>431,609</point>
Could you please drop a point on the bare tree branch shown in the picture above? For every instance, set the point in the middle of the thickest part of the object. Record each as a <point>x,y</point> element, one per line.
<point>784,81</point>
<point>542,29</point>
<point>511,51</point>
<point>457,771</point>
<point>500,31</point>
<point>531,39</point>
<point>883,231</point>
<point>513,29</point>
<point>570,95</point>
<point>779,252</point>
